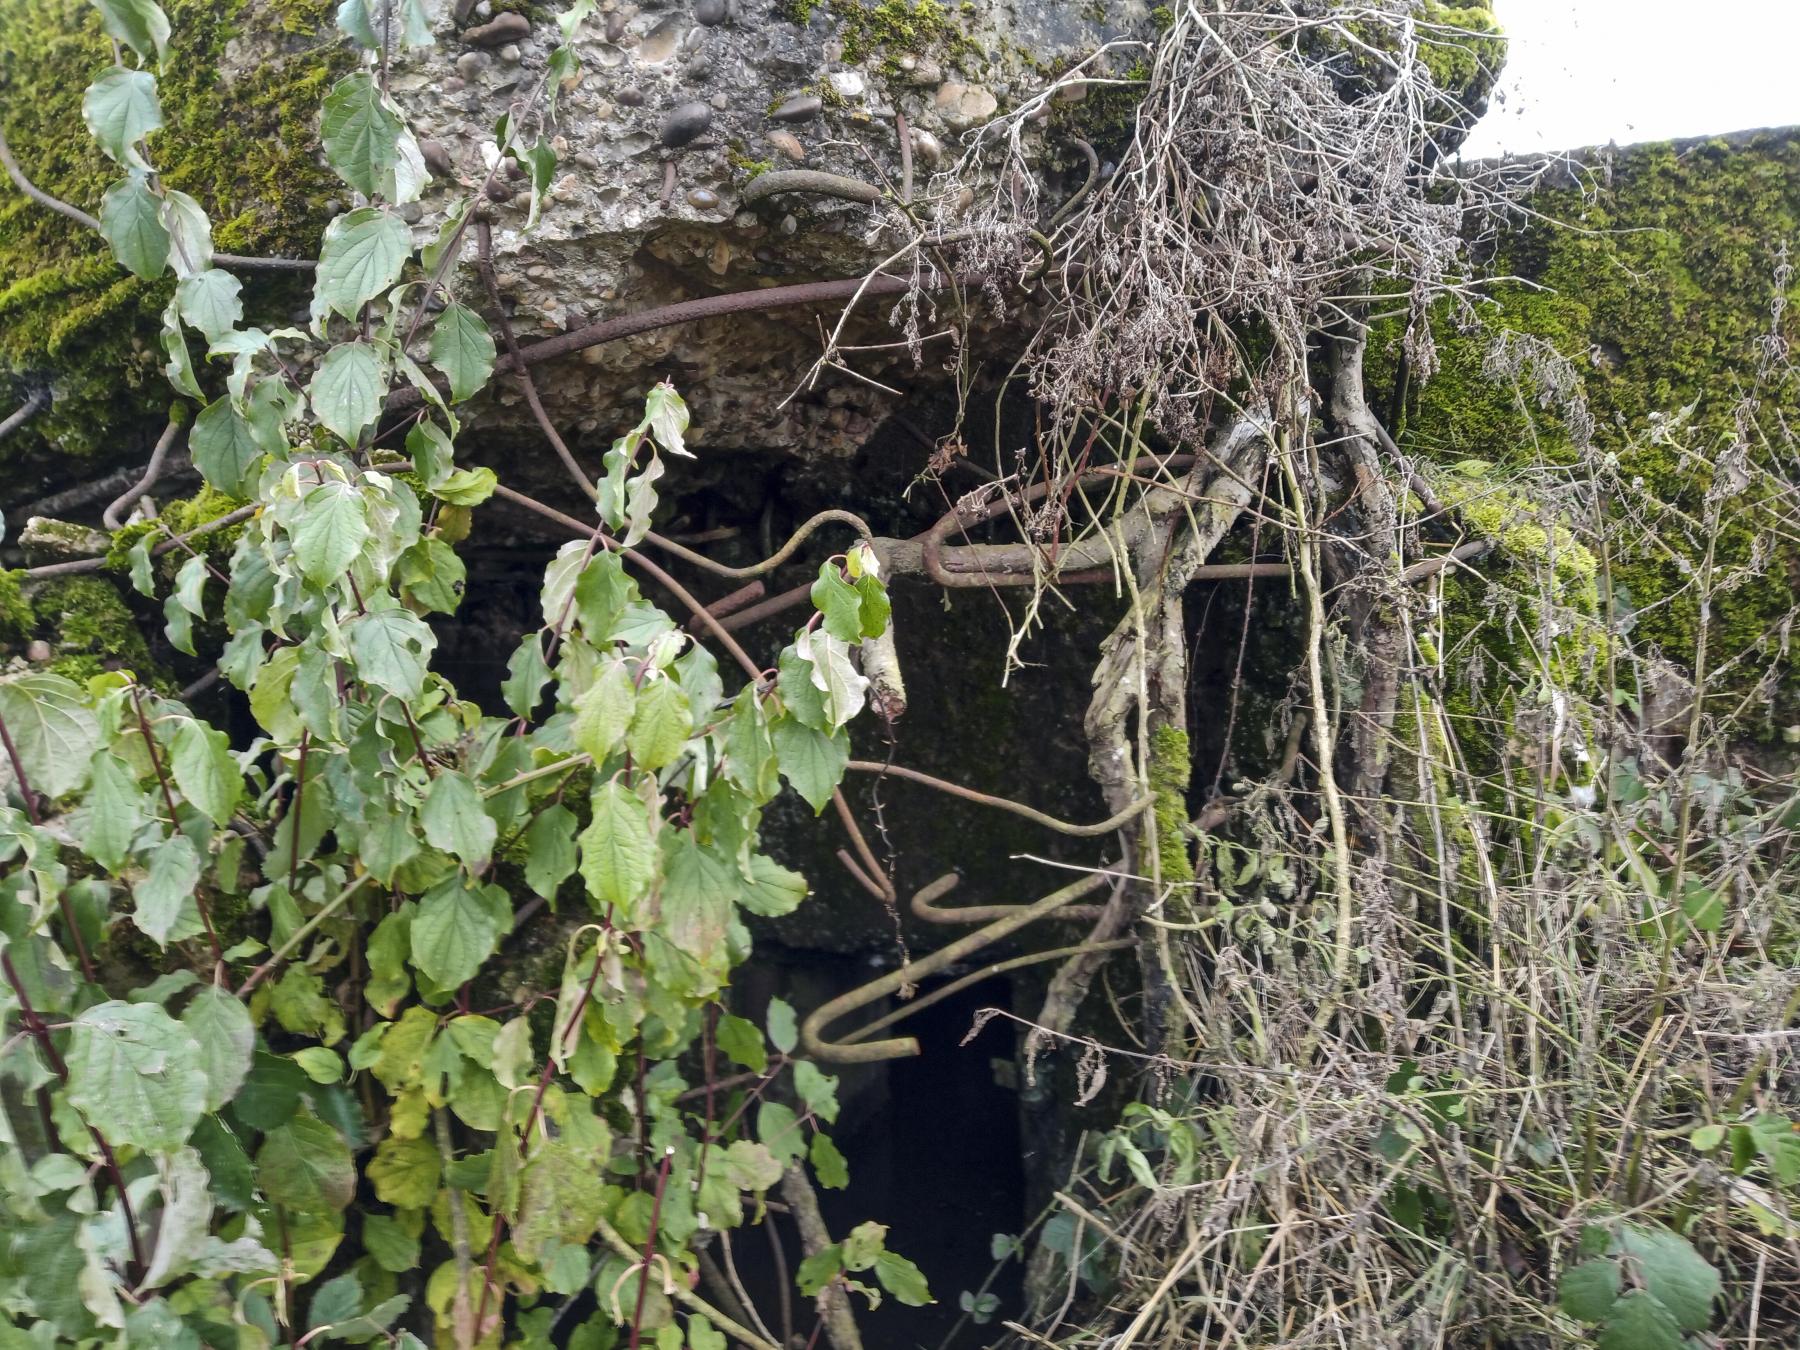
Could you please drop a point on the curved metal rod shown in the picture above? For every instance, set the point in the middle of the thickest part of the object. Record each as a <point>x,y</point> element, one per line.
<point>813,181</point>
<point>837,1052</point>
<point>1032,814</point>
<point>956,986</point>
<point>925,906</point>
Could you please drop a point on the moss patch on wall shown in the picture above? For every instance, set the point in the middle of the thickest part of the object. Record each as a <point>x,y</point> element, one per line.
<point>1658,285</point>
<point>240,94</point>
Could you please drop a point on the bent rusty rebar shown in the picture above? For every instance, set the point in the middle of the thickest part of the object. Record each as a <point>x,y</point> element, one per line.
<point>925,906</point>
<point>836,1052</point>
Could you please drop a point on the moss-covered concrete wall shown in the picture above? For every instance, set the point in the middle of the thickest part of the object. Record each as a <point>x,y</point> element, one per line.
<point>239,136</point>
<point>1655,275</point>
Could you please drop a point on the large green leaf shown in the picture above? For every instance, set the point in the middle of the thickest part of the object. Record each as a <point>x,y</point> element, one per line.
<point>135,1074</point>
<point>562,1196</point>
<point>453,819</point>
<point>1779,1145</point>
<point>205,771</point>
<point>224,451</point>
<point>51,728</point>
<point>839,602</point>
<point>453,933</point>
<point>190,234</point>
<point>210,303</point>
<point>120,109</point>
<point>221,1027</point>
<point>772,890</point>
<point>305,1165</point>
<point>1588,1291</point>
<point>115,812</point>
<point>361,258</point>
<point>833,674</point>
<point>346,390</point>
<point>1640,1321</point>
<point>131,221</point>
<point>333,527</point>
<point>165,909</point>
<point>604,711</point>
<point>361,133</point>
<point>405,1172</point>
<point>392,648</point>
<point>463,349</point>
<point>618,856</point>
<point>660,723</point>
<point>376,25</point>
<point>1682,1280</point>
<point>550,854</point>
<point>139,24</point>
<point>811,760</point>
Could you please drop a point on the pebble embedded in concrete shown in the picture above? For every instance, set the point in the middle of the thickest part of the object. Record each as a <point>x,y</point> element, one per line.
<point>711,12</point>
<point>701,199</point>
<point>499,31</point>
<point>685,124</point>
<point>788,144</point>
<point>799,108</point>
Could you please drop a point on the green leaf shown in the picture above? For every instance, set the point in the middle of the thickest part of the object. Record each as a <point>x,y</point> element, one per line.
<point>742,1041</point>
<point>190,236</point>
<point>550,854</point>
<point>140,24</point>
<point>618,857</point>
<point>210,303</point>
<point>378,24</point>
<point>224,451</point>
<point>667,417</point>
<point>660,723</point>
<point>305,1165</point>
<point>812,761</point>
<point>839,602</point>
<point>205,771</point>
<point>540,167</point>
<point>562,1196</point>
<point>453,819</point>
<point>361,133</point>
<point>386,1240</point>
<point>819,1270</point>
<point>1779,1145</point>
<point>463,349</point>
<point>453,933</point>
<point>772,890</point>
<point>830,1165</point>
<point>901,1278</point>
<point>1639,1321</point>
<point>833,674</point>
<point>166,910</point>
<point>333,527</point>
<point>361,259</point>
<point>1668,1267</point>
<point>135,1074</point>
<point>817,1090</point>
<point>131,221</point>
<point>431,452</point>
<point>115,812</point>
<point>221,1027</point>
<point>526,675</point>
<point>877,609</point>
<point>604,712</point>
<point>783,1026</point>
<point>392,649</point>
<point>466,487</point>
<point>53,732</point>
<point>1588,1291</point>
<point>320,1064</point>
<point>346,390</point>
<point>121,109</point>
<point>1706,1138</point>
<point>405,1172</point>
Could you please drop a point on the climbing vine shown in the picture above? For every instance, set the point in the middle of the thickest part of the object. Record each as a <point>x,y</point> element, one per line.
<point>270,1084</point>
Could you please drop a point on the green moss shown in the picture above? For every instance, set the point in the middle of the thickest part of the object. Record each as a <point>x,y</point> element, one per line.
<point>92,627</point>
<point>1466,62</point>
<point>1170,768</point>
<point>242,142</point>
<point>16,618</point>
<point>1659,298</point>
<point>890,29</point>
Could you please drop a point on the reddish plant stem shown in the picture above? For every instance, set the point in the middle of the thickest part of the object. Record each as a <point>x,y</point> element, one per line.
<point>35,1026</point>
<point>662,1182</point>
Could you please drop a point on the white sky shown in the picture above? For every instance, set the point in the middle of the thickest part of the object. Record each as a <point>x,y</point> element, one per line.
<point>1585,72</point>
